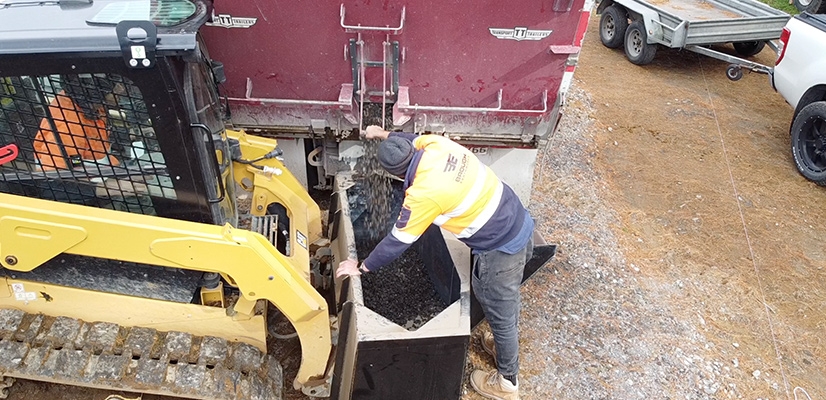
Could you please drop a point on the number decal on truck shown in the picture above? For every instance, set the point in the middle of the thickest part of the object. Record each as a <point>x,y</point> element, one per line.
<point>479,151</point>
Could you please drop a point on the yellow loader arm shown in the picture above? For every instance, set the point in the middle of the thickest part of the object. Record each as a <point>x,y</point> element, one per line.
<point>32,231</point>
<point>278,185</point>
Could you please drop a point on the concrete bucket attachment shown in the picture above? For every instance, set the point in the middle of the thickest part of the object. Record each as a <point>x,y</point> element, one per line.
<point>397,347</point>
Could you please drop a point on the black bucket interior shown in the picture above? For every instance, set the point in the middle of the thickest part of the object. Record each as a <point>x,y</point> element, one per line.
<point>418,285</point>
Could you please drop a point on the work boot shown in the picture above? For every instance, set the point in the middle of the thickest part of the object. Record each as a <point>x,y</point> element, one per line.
<point>492,385</point>
<point>488,344</point>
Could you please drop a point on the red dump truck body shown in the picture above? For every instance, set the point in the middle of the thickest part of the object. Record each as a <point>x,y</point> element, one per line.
<point>490,74</point>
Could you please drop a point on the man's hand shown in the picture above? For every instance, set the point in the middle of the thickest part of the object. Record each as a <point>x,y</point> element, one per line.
<point>348,267</point>
<point>375,132</point>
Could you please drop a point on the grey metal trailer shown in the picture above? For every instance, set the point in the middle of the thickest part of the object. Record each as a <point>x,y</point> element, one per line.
<point>693,25</point>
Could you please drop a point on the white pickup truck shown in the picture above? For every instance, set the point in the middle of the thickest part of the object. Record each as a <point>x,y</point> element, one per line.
<point>812,6</point>
<point>800,77</point>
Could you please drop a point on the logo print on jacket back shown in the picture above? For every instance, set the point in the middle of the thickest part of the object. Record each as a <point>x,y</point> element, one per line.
<point>450,165</point>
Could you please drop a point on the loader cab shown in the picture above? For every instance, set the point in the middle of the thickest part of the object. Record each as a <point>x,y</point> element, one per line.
<point>82,122</point>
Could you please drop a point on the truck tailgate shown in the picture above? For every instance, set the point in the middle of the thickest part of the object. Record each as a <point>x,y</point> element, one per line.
<point>451,54</point>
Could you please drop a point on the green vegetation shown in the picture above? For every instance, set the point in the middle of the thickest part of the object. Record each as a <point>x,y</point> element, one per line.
<point>782,5</point>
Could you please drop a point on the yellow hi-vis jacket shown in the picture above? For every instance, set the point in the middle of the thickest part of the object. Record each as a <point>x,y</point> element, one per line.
<point>448,186</point>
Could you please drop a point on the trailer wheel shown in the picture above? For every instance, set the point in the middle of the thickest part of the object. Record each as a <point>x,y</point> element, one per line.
<point>748,49</point>
<point>637,49</point>
<point>734,72</point>
<point>612,26</point>
<point>812,6</point>
<point>809,142</point>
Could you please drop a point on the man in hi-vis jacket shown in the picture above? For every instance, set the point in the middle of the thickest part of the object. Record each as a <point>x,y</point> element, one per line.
<point>445,184</point>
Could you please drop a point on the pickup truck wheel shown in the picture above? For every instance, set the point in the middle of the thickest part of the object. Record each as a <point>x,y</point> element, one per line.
<point>612,26</point>
<point>812,6</point>
<point>748,49</point>
<point>809,142</point>
<point>637,49</point>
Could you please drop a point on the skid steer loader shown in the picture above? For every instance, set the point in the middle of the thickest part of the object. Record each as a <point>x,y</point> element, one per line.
<point>122,266</point>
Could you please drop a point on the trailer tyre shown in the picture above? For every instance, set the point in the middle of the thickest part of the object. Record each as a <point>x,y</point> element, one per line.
<point>734,72</point>
<point>637,48</point>
<point>809,142</point>
<point>612,26</point>
<point>812,6</point>
<point>748,49</point>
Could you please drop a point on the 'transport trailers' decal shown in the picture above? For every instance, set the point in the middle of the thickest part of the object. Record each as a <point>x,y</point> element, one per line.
<point>228,21</point>
<point>519,33</point>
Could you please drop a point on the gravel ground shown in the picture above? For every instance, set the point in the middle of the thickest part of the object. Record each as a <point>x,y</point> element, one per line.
<point>623,354</point>
<point>686,266</point>
<point>589,329</point>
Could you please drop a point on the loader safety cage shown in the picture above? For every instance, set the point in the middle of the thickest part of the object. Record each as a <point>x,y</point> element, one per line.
<point>112,159</point>
<point>84,128</point>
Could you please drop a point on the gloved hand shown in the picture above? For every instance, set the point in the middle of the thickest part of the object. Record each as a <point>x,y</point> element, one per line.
<point>348,267</point>
<point>375,132</point>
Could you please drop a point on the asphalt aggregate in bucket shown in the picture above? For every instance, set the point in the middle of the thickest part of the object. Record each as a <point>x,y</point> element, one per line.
<point>401,291</point>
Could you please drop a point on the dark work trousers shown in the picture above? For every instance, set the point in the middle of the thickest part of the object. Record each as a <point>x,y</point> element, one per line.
<point>497,277</point>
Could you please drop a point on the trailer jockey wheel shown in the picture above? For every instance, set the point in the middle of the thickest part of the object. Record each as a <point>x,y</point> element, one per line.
<point>734,72</point>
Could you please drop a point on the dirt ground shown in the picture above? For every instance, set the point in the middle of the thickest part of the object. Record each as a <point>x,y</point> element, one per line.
<point>690,261</point>
<point>691,256</point>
